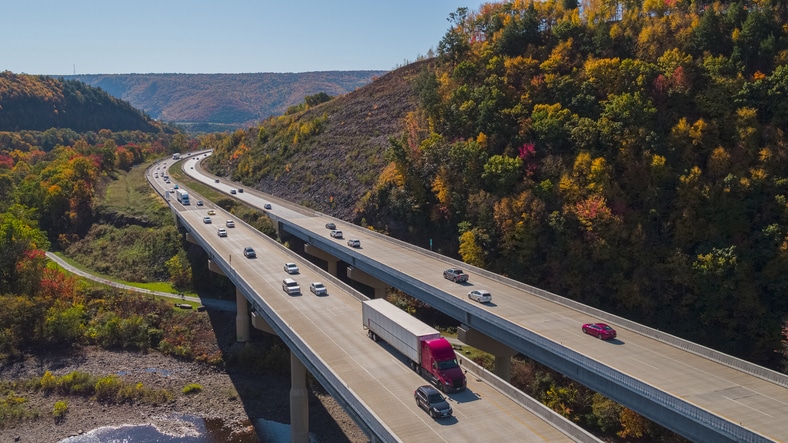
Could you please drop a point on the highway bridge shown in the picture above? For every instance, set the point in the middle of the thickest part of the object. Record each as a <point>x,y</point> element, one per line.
<point>325,335</point>
<point>695,391</point>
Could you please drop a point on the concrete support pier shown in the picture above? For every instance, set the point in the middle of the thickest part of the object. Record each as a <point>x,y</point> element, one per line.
<point>191,239</point>
<point>241,318</point>
<point>362,277</point>
<point>323,255</point>
<point>259,323</point>
<point>213,267</point>
<point>503,354</point>
<point>299,402</point>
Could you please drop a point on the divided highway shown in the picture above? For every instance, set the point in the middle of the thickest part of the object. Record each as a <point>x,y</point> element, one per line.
<point>681,385</point>
<point>327,331</point>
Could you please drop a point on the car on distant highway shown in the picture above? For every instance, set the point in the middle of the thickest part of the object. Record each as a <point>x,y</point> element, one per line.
<point>206,220</point>
<point>331,226</point>
<point>267,206</point>
<point>199,203</point>
<point>221,232</point>
<point>336,234</point>
<point>233,191</point>
<point>291,268</point>
<point>354,243</point>
<point>230,224</point>
<point>216,181</point>
<point>432,401</point>
<point>480,295</point>
<point>599,330</point>
<point>240,190</point>
<point>249,252</point>
<point>211,212</point>
<point>318,288</point>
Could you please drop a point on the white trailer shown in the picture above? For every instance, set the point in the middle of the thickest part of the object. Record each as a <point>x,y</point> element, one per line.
<point>396,327</point>
<point>182,197</point>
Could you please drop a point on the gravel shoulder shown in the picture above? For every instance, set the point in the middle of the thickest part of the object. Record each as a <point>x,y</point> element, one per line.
<point>235,400</point>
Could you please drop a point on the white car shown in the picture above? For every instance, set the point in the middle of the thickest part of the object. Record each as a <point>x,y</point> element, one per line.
<point>230,223</point>
<point>291,268</point>
<point>318,288</point>
<point>206,220</point>
<point>336,234</point>
<point>222,232</point>
<point>354,243</point>
<point>290,286</point>
<point>480,295</point>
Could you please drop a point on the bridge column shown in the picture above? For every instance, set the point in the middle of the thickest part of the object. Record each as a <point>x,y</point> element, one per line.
<point>259,323</point>
<point>323,255</point>
<point>503,354</point>
<point>241,317</point>
<point>213,267</point>
<point>299,402</point>
<point>190,238</point>
<point>362,277</point>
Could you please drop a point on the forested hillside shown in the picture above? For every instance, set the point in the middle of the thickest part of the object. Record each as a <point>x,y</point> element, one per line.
<point>39,103</point>
<point>218,102</point>
<point>631,156</point>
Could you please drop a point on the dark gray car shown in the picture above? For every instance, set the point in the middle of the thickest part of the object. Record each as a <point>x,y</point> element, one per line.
<point>432,401</point>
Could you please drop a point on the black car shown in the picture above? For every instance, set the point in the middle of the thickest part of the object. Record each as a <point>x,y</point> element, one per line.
<point>249,252</point>
<point>432,401</point>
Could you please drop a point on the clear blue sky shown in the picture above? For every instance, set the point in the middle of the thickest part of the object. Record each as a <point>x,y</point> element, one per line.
<point>56,37</point>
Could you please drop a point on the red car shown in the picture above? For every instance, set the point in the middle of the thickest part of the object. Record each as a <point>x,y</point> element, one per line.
<point>599,330</point>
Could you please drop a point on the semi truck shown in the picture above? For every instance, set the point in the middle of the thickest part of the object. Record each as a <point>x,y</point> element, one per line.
<point>427,352</point>
<point>182,196</point>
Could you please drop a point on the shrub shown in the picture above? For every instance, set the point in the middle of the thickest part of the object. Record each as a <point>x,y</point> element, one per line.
<point>12,409</point>
<point>192,388</point>
<point>48,382</point>
<point>108,388</point>
<point>76,383</point>
<point>60,409</point>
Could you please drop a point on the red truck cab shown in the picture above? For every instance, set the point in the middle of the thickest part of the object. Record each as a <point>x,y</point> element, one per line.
<point>439,363</point>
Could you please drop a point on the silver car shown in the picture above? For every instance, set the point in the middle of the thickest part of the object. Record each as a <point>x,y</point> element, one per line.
<point>480,295</point>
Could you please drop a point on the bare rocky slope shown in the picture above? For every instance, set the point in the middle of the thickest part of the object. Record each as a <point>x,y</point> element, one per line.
<point>331,170</point>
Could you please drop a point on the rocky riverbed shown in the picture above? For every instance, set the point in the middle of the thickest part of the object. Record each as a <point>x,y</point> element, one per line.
<point>231,402</point>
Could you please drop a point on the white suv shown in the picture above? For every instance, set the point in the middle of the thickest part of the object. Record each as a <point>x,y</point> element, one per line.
<point>290,286</point>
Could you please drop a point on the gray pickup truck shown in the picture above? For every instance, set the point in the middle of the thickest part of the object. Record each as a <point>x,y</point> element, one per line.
<point>455,275</point>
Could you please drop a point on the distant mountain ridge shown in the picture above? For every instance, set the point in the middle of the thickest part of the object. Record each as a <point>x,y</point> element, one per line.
<point>38,103</point>
<point>216,102</point>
